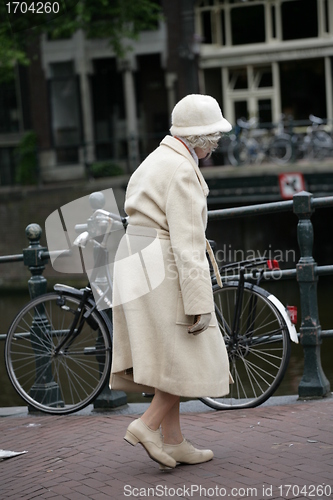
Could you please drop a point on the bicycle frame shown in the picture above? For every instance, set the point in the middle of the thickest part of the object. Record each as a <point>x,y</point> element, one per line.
<point>79,319</point>
<point>234,333</point>
<point>101,262</point>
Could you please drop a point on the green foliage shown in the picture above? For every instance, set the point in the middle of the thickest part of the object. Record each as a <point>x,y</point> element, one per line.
<point>105,169</point>
<point>118,19</point>
<point>115,20</point>
<point>27,166</point>
<point>10,51</point>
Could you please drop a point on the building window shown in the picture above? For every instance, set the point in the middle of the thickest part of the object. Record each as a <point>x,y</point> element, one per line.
<point>326,18</point>
<point>206,26</point>
<point>231,22</point>
<point>241,22</point>
<point>263,77</point>
<point>299,80</point>
<point>152,102</point>
<point>250,92</point>
<point>238,78</point>
<point>241,110</point>
<point>248,24</point>
<point>265,112</point>
<point>65,113</point>
<point>109,110</point>
<point>7,166</point>
<point>9,112</point>
<point>299,19</point>
<point>213,83</point>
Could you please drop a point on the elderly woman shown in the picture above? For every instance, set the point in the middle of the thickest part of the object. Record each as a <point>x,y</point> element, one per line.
<point>166,336</point>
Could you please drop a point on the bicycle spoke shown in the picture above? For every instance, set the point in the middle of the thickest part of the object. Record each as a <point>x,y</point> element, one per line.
<point>255,352</point>
<point>257,369</point>
<point>250,379</point>
<point>52,381</point>
<point>259,353</point>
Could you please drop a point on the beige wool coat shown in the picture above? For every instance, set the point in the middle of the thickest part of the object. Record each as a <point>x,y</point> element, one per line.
<point>162,280</point>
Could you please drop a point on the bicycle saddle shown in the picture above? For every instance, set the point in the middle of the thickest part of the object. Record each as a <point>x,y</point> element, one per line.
<point>316,119</point>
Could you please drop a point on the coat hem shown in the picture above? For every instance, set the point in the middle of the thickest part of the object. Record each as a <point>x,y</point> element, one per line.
<point>124,383</point>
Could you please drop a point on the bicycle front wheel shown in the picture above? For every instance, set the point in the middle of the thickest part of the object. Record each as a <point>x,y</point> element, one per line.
<point>259,351</point>
<point>58,382</point>
<point>238,153</point>
<point>322,145</point>
<point>280,151</point>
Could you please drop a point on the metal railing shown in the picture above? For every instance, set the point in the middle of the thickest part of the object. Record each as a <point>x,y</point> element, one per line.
<point>314,382</point>
<point>34,257</point>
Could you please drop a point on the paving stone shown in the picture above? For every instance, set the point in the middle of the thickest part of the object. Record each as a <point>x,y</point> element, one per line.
<point>84,456</point>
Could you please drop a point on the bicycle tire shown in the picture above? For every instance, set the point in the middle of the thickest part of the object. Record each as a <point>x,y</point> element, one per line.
<point>67,382</point>
<point>322,145</point>
<point>280,151</point>
<point>238,153</point>
<point>259,361</point>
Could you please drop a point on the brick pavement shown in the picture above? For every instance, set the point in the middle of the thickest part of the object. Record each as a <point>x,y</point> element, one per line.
<point>258,453</point>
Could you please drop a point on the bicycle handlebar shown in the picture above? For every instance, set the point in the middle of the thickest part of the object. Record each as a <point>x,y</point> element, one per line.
<point>316,120</point>
<point>241,122</point>
<point>79,228</point>
<point>96,226</point>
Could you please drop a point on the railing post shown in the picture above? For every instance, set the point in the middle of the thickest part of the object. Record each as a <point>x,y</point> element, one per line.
<point>314,383</point>
<point>32,259</point>
<point>45,388</point>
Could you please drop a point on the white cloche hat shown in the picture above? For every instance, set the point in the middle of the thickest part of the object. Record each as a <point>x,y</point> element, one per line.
<point>198,114</point>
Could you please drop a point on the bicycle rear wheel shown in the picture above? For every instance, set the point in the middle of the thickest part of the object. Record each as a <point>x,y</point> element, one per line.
<point>259,355</point>
<point>68,381</point>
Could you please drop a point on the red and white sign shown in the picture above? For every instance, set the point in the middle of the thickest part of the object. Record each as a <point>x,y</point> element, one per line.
<point>290,184</point>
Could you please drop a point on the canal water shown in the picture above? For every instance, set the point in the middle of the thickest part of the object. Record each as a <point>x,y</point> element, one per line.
<point>286,291</point>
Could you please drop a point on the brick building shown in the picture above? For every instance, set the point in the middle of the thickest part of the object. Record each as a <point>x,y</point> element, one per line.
<point>257,58</point>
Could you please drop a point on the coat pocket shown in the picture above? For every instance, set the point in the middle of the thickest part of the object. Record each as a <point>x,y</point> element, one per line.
<point>184,319</point>
<point>181,317</point>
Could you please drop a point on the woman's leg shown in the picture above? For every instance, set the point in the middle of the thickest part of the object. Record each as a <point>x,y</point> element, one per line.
<point>164,410</point>
<point>145,430</point>
<point>174,443</point>
<point>171,431</point>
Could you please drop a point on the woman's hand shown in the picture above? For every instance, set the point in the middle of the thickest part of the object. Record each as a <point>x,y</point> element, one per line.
<point>201,324</point>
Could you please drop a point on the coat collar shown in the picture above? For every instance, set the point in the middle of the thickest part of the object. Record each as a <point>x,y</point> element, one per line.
<point>180,148</point>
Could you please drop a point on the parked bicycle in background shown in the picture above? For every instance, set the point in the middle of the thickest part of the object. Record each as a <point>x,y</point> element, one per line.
<point>250,144</point>
<point>292,141</point>
<point>315,143</point>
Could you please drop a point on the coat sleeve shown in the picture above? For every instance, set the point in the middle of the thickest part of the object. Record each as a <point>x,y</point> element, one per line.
<point>186,211</point>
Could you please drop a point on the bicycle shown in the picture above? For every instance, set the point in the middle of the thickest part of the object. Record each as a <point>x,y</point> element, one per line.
<point>58,349</point>
<point>315,143</point>
<point>245,149</point>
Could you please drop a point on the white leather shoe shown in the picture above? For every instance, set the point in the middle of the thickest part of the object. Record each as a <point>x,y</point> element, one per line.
<point>139,432</point>
<point>185,453</point>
